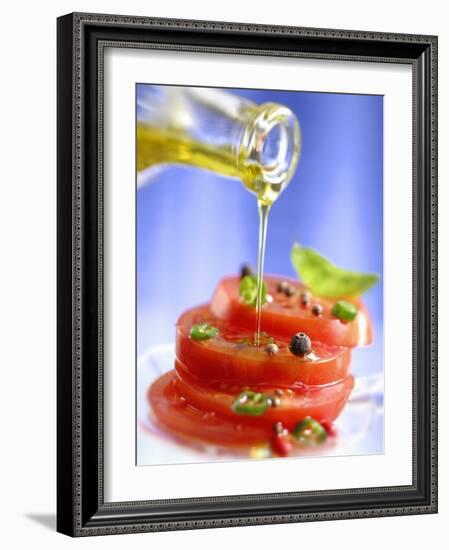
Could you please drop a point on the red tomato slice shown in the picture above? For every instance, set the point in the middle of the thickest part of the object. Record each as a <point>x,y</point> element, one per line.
<point>185,420</point>
<point>175,415</point>
<point>227,358</point>
<point>285,316</point>
<point>325,402</point>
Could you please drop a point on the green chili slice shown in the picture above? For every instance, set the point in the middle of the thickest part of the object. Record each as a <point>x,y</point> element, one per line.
<point>250,402</point>
<point>203,331</point>
<point>309,432</point>
<point>248,290</point>
<point>344,310</point>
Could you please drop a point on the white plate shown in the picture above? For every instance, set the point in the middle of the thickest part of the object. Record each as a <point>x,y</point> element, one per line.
<point>360,426</point>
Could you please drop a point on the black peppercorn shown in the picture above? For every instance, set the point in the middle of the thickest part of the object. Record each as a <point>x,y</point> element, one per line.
<point>290,291</point>
<point>245,270</point>
<point>317,309</point>
<point>300,344</point>
<point>282,286</point>
<point>305,298</point>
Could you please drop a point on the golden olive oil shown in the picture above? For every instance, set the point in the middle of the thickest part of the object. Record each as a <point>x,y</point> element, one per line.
<point>156,146</point>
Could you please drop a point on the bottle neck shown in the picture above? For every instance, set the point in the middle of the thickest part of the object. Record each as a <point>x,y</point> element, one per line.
<point>219,131</point>
<point>269,150</point>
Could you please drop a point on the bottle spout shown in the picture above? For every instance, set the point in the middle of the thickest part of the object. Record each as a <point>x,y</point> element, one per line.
<point>270,150</point>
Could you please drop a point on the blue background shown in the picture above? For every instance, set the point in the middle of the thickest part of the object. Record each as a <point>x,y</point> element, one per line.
<point>193,226</point>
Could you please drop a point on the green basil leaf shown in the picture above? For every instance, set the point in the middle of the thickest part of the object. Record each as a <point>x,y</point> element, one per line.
<point>326,279</point>
<point>248,290</point>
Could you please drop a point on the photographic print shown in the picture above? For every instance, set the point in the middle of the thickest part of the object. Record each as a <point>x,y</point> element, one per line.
<point>259,261</point>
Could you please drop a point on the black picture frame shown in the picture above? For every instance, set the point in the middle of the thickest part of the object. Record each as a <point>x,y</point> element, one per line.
<point>81,509</point>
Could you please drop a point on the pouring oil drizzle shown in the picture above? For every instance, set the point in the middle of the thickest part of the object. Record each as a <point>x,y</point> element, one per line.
<point>264,210</point>
<point>267,193</point>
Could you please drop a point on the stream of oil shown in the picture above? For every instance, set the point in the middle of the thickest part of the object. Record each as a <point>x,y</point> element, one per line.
<point>264,210</point>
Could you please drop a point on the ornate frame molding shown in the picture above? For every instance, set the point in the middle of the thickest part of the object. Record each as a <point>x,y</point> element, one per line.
<point>81,510</point>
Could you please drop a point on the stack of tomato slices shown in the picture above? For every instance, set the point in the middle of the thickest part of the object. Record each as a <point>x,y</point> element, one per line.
<point>201,398</point>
